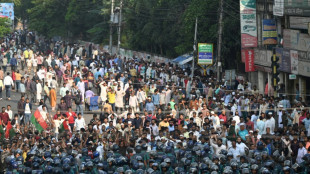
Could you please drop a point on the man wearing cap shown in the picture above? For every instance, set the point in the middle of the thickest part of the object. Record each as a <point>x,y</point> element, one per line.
<point>269,123</point>
<point>243,132</point>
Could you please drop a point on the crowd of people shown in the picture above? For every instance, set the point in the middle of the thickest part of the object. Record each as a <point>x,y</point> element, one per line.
<point>147,117</point>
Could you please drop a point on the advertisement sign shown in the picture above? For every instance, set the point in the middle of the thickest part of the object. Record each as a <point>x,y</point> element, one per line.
<point>244,53</point>
<point>304,68</point>
<point>205,54</point>
<point>7,10</point>
<point>303,42</point>
<point>263,57</point>
<point>297,22</point>
<point>297,7</point>
<point>278,8</point>
<point>269,32</point>
<point>249,61</point>
<point>285,65</point>
<point>294,61</point>
<point>248,23</point>
<point>304,56</point>
<point>284,59</point>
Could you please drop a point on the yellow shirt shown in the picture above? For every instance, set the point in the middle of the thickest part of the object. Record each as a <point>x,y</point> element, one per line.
<point>163,124</point>
<point>30,53</point>
<point>18,76</point>
<point>133,72</point>
<point>26,54</point>
<point>111,97</point>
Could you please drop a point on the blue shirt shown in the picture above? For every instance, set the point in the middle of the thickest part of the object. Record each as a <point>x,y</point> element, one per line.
<point>260,126</point>
<point>149,106</point>
<point>155,99</point>
<point>243,133</point>
<point>97,74</point>
<point>307,123</point>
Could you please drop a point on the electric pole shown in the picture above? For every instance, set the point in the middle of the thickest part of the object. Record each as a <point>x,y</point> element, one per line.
<point>111,26</point>
<point>219,42</point>
<point>119,28</point>
<point>195,50</point>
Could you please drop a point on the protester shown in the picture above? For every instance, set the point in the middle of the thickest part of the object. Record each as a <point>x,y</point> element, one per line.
<point>147,117</point>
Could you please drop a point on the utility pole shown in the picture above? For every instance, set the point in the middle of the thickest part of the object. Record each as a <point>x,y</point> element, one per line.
<point>119,28</point>
<point>111,26</point>
<point>219,42</point>
<point>195,50</point>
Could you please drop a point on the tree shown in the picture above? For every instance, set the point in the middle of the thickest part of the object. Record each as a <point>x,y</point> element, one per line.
<point>5,27</point>
<point>48,17</point>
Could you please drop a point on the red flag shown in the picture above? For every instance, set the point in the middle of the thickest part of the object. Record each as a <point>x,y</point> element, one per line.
<point>39,119</point>
<point>8,128</point>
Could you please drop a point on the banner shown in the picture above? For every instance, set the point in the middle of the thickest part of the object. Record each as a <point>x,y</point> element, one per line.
<point>7,10</point>
<point>297,7</point>
<point>297,22</point>
<point>294,61</point>
<point>284,59</point>
<point>269,32</point>
<point>248,23</point>
<point>278,8</point>
<point>249,60</point>
<point>205,54</point>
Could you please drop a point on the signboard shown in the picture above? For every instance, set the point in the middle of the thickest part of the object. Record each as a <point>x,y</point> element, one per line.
<point>297,7</point>
<point>285,65</point>
<point>278,8</point>
<point>263,57</point>
<point>303,42</point>
<point>205,54</point>
<point>304,68</point>
<point>249,61</point>
<point>248,23</point>
<point>292,77</point>
<point>7,10</point>
<point>294,61</point>
<point>243,54</point>
<point>297,22</point>
<point>304,56</point>
<point>269,32</point>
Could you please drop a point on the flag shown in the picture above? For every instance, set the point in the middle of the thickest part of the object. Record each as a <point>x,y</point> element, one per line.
<point>38,121</point>
<point>64,126</point>
<point>9,132</point>
<point>1,131</point>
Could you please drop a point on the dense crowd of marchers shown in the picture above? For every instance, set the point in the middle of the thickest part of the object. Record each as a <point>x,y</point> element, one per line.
<point>151,118</point>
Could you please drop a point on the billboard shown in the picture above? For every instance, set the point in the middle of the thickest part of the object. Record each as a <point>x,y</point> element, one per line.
<point>205,54</point>
<point>294,61</point>
<point>284,59</point>
<point>297,7</point>
<point>278,8</point>
<point>248,23</point>
<point>297,22</point>
<point>249,60</point>
<point>7,10</point>
<point>269,32</point>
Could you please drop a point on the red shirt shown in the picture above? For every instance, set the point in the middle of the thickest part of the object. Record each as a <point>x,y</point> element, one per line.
<point>301,118</point>
<point>223,117</point>
<point>68,114</point>
<point>71,119</point>
<point>4,117</point>
<point>250,125</point>
<point>56,116</point>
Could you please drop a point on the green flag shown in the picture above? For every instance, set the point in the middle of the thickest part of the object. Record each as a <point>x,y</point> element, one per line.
<point>36,124</point>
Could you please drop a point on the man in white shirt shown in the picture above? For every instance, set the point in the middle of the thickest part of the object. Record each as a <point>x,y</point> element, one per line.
<point>234,150</point>
<point>10,112</point>
<point>8,83</point>
<point>241,146</point>
<point>270,123</point>
<point>217,147</point>
<point>79,123</point>
<point>57,124</point>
